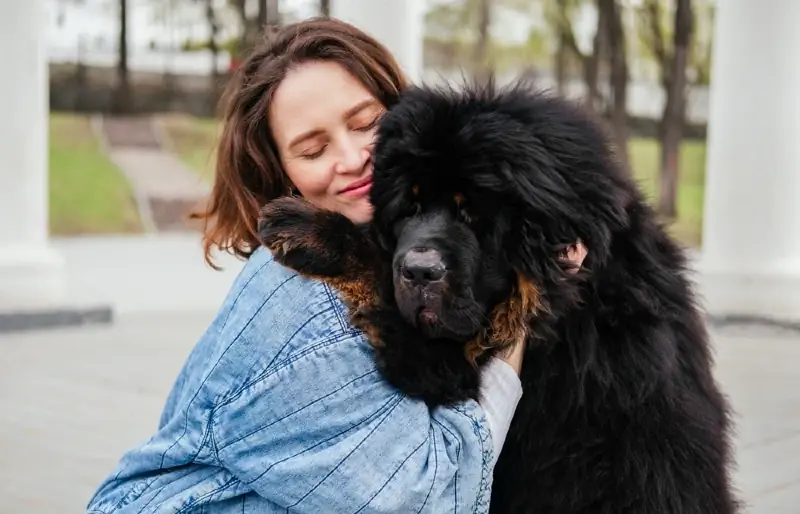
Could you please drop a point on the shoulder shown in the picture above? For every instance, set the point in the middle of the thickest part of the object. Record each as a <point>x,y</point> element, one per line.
<point>270,317</point>
<point>268,296</point>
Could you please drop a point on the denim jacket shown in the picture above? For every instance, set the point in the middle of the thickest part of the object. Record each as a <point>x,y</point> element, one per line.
<point>280,408</point>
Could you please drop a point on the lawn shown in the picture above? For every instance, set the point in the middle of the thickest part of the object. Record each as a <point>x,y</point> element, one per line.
<point>87,192</point>
<point>644,157</point>
<point>193,139</point>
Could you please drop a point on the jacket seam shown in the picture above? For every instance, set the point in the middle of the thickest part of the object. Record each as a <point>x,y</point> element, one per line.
<point>482,432</point>
<point>276,367</point>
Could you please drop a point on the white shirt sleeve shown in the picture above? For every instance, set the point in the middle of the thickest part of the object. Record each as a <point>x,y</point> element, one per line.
<point>499,394</point>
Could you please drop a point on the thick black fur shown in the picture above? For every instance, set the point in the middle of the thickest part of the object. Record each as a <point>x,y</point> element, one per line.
<point>620,412</point>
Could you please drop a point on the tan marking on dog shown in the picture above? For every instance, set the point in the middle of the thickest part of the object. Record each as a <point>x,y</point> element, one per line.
<point>415,190</point>
<point>459,199</point>
<point>509,321</point>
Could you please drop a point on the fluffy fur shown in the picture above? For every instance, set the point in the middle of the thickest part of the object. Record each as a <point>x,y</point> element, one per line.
<point>477,193</point>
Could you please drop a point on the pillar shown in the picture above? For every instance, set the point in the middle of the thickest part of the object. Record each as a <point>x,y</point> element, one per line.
<point>397,24</point>
<point>30,271</point>
<point>750,261</point>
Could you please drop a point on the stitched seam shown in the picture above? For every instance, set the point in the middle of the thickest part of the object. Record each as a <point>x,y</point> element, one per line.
<point>386,415</point>
<point>294,357</point>
<point>196,501</point>
<point>200,387</point>
<point>269,369</point>
<point>435,471</point>
<point>482,432</point>
<point>242,289</point>
<point>321,398</point>
<point>133,494</point>
<point>334,299</point>
<point>372,416</point>
<point>393,474</point>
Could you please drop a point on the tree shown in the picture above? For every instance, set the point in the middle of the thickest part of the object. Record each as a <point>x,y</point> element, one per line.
<point>673,63</point>
<point>268,14</point>
<point>559,14</point>
<point>618,76</point>
<point>213,26</point>
<point>482,45</point>
<point>325,8</point>
<point>122,93</point>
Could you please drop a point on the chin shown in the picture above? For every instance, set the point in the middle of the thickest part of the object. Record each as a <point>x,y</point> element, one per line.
<point>360,212</point>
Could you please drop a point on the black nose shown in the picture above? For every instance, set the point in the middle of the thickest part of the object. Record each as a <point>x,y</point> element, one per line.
<point>423,265</point>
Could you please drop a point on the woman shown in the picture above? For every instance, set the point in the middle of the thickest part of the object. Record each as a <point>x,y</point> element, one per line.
<point>280,408</point>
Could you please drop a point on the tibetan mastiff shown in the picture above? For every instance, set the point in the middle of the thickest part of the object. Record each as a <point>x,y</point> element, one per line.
<point>477,194</point>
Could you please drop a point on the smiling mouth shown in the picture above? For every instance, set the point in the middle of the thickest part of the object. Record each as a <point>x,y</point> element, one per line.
<point>358,188</point>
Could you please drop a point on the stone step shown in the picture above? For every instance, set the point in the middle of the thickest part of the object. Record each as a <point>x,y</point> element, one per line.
<point>130,131</point>
<point>171,214</point>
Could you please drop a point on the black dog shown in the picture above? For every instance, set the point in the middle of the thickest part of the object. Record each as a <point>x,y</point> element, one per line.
<point>477,194</point>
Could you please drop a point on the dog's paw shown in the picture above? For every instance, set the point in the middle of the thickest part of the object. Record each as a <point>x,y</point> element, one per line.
<point>304,237</point>
<point>299,236</point>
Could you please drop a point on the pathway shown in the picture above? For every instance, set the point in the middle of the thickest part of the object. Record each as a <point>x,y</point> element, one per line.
<point>72,401</point>
<point>165,188</point>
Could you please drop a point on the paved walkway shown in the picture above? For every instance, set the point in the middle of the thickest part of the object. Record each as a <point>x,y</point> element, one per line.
<point>71,401</point>
<point>165,188</point>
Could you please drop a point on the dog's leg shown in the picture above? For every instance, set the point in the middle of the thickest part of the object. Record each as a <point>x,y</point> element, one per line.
<point>322,244</point>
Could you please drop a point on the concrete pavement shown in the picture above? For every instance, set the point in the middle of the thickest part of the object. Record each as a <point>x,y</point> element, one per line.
<point>72,400</point>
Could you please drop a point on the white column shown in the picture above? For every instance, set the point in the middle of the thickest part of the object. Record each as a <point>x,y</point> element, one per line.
<point>397,24</point>
<point>30,272</point>
<point>751,236</point>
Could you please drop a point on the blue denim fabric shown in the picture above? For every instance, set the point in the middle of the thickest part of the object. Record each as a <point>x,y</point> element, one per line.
<point>280,408</point>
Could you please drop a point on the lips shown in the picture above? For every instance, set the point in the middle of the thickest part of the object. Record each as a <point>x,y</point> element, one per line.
<point>357,186</point>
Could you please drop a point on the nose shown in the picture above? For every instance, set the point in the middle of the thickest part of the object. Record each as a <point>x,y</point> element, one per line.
<point>353,155</point>
<point>423,265</point>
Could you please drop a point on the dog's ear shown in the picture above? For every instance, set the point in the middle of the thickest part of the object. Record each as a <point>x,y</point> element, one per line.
<point>312,241</point>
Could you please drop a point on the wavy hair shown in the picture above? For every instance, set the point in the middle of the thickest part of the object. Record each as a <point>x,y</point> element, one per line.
<point>248,170</point>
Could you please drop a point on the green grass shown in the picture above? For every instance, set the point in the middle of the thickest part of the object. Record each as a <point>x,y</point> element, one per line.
<point>88,195</point>
<point>644,157</point>
<point>194,139</point>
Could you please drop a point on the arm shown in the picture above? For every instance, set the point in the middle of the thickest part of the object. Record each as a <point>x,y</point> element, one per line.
<point>499,394</point>
<point>324,431</point>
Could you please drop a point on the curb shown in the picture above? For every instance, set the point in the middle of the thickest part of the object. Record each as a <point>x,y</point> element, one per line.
<point>25,320</point>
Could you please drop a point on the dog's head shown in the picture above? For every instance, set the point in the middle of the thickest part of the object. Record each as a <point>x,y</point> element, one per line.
<point>477,194</point>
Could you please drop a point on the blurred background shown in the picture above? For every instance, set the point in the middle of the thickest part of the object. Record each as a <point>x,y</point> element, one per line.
<point>108,139</point>
<point>169,59</point>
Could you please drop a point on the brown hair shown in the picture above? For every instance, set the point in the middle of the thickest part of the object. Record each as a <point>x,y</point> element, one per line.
<point>248,168</point>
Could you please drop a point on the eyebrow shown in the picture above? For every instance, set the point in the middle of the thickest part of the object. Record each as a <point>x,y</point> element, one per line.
<point>349,113</point>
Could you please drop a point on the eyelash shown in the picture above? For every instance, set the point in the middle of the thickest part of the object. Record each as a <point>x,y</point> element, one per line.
<point>365,128</point>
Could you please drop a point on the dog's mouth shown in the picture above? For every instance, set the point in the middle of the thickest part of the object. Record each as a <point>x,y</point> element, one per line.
<point>426,315</point>
<point>437,317</point>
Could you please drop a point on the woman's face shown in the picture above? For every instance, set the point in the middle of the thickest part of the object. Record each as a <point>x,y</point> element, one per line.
<point>323,121</point>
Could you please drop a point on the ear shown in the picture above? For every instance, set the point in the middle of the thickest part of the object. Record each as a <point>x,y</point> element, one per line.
<point>312,241</point>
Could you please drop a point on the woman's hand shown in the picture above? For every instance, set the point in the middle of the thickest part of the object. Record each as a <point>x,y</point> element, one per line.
<point>576,254</point>
<point>513,356</point>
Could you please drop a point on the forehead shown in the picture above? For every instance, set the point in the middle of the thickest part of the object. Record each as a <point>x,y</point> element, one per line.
<point>314,94</point>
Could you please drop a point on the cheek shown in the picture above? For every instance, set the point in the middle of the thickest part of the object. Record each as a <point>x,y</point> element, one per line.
<point>311,178</point>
